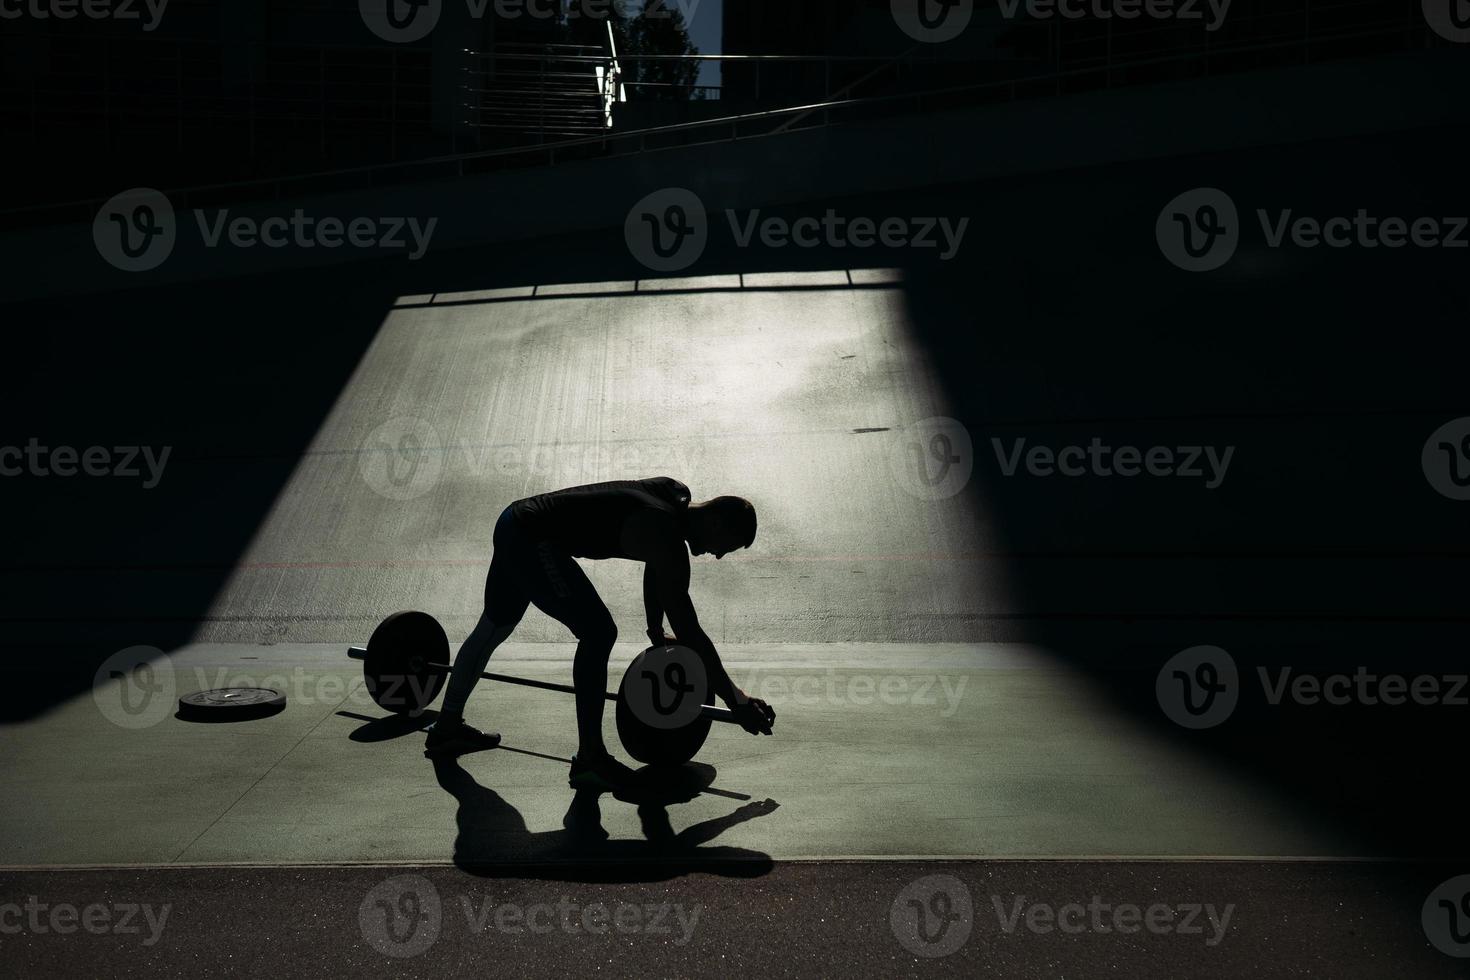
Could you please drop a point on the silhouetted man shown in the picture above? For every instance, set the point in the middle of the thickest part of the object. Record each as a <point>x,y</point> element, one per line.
<point>536,540</point>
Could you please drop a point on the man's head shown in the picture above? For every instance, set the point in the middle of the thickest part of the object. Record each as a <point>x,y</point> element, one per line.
<point>719,526</point>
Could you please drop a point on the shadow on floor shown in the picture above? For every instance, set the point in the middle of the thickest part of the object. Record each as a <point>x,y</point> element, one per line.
<point>494,841</point>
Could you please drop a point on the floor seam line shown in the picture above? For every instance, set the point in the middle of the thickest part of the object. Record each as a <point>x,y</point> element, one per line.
<point>246,792</point>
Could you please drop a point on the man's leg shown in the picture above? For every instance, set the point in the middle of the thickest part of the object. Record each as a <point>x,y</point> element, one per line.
<point>563,592</point>
<point>470,663</point>
<point>506,601</point>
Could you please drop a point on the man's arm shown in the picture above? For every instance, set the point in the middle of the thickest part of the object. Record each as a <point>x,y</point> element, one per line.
<point>666,584</point>
<point>653,606</point>
<point>669,570</point>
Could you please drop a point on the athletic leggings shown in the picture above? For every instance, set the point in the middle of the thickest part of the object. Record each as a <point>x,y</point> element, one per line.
<point>525,570</point>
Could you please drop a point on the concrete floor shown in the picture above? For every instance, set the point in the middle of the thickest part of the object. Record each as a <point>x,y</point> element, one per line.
<point>932,750</point>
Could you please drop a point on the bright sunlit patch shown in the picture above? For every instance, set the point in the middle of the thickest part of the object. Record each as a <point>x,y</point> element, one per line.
<point>794,389</point>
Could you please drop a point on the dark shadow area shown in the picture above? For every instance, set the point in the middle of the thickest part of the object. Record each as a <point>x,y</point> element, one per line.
<point>229,717</point>
<point>234,378</point>
<point>388,727</point>
<point>1325,549</point>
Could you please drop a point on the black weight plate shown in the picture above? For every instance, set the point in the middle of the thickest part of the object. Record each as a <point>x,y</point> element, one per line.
<point>395,666</point>
<point>231,704</point>
<point>657,723</point>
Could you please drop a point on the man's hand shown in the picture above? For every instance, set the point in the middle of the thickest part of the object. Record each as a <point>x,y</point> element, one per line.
<point>753,714</point>
<point>661,639</point>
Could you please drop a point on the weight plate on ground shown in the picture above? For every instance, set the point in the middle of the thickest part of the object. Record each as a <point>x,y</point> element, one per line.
<point>659,706</point>
<point>231,704</point>
<point>396,665</point>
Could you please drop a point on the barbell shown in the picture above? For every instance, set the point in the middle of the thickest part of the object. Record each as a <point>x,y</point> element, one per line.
<point>662,717</point>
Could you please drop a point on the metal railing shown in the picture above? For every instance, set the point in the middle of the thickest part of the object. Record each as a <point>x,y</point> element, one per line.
<point>542,90</point>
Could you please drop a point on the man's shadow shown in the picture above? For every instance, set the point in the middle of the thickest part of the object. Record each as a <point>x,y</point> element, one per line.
<point>494,841</point>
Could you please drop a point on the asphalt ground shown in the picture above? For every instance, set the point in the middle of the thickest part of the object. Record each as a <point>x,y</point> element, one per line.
<point>839,918</point>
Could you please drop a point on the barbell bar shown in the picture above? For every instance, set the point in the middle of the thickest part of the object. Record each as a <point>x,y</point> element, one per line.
<point>406,662</point>
<point>710,711</point>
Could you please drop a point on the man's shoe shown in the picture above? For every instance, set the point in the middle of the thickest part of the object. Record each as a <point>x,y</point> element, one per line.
<point>457,739</point>
<point>601,772</point>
